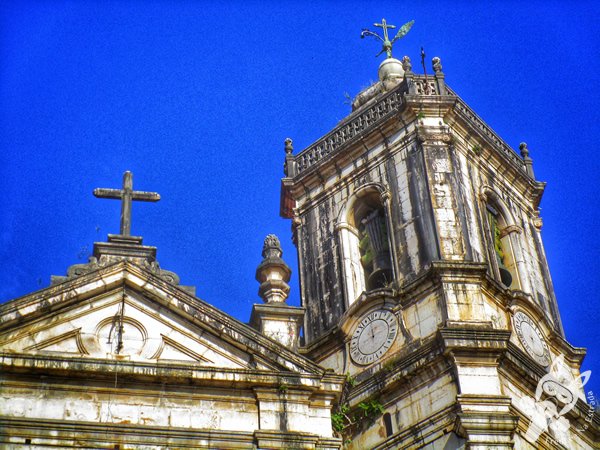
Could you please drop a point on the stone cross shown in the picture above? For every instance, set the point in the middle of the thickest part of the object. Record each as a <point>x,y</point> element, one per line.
<point>126,195</point>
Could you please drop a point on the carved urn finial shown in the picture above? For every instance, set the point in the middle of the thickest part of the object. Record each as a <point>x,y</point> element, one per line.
<point>289,147</point>
<point>289,165</point>
<point>526,159</point>
<point>436,62</point>
<point>406,64</point>
<point>271,247</point>
<point>273,273</point>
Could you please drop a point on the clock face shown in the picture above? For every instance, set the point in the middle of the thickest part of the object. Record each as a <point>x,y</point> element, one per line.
<point>373,336</point>
<point>531,338</point>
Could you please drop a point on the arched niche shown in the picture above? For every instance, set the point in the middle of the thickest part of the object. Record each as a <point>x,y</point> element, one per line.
<point>365,242</point>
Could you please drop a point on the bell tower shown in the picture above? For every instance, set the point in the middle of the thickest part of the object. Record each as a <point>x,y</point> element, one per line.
<point>423,274</point>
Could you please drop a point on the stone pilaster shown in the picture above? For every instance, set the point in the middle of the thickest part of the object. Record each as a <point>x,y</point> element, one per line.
<point>484,417</point>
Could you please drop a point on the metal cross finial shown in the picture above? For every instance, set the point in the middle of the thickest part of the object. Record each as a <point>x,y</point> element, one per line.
<point>385,27</point>
<point>126,195</point>
<point>387,44</point>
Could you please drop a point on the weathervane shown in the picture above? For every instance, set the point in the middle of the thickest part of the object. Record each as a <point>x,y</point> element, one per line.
<point>387,44</point>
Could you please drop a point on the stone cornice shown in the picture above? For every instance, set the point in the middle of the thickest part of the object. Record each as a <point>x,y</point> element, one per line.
<point>467,114</point>
<point>459,270</point>
<point>157,372</point>
<point>522,364</point>
<point>478,425</point>
<point>577,418</point>
<point>276,439</point>
<point>428,280</point>
<point>573,355</point>
<point>495,152</point>
<point>324,345</point>
<point>95,435</point>
<point>474,341</point>
<point>526,374</point>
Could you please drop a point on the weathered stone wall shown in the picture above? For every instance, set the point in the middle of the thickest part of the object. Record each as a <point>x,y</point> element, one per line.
<point>479,175</point>
<point>396,168</point>
<point>131,403</point>
<point>441,174</point>
<point>412,407</point>
<point>436,185</point>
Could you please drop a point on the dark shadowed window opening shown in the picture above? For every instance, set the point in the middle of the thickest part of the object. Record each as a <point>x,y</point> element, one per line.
<point>387,421</point>
<point>374,247</point>
<point>501,252</point>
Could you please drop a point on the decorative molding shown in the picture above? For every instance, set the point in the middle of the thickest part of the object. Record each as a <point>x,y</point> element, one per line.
<point>370,117</point>
<point>73,334</point>
<point>511,229</point>
<point>434,134</point>
<point>94,435</point>
<point>167,341</point>
<point>188,372</point>
<point>365,120</point>
<point>119,248</point>
<point>468,339</point>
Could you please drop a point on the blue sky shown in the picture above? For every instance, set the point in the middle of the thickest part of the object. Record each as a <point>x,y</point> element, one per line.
<point>196,99</point>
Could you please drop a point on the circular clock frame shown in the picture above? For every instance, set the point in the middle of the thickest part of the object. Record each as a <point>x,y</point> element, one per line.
<point>531,338</point>
<point>373,336</point>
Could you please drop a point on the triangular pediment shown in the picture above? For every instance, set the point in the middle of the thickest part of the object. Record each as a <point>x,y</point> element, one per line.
<point>123,312</point>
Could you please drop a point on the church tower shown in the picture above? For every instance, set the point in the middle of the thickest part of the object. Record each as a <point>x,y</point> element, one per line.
<point>424,278</point>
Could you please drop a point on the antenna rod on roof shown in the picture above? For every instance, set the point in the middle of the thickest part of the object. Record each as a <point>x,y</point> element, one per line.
<point>426,90</point>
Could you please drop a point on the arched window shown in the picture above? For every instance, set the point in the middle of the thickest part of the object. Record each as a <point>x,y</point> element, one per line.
<point>501,245</point>
<point>507,262</point>
<point>387,421</point>
<point>365,243</point>
<point>373,242</point>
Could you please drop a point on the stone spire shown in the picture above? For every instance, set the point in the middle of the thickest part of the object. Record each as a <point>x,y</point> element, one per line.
<point>276,319</point>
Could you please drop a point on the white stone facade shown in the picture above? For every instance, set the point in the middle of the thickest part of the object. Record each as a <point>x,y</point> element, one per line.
<point>119,357</point>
